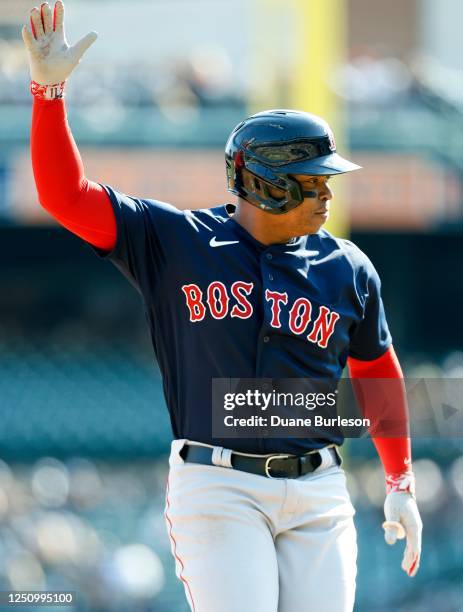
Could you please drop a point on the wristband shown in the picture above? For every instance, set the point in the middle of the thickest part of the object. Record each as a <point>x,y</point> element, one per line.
<point>401,483</point>
<point>47,92</point>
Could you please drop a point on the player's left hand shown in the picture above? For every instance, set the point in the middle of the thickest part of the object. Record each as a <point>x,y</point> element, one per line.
<point>403,520</point>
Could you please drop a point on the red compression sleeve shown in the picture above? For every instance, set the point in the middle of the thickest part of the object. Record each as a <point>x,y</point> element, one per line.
<point>80,205</point>
<point>395,453</point>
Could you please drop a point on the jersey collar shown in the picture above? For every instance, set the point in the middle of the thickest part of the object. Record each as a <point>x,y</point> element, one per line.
<point>228,210</point>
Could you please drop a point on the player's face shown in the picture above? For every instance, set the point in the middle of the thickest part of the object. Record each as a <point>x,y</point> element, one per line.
<point>308,217</point>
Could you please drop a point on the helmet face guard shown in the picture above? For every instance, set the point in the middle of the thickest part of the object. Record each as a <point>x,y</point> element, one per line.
<point>263,151</point>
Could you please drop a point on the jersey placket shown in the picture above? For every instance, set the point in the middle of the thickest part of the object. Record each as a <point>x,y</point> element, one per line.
<point>266,332</point>
<point>272,280</point>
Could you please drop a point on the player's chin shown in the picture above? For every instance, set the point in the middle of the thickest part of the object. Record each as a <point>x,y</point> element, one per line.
<point>317,221</point>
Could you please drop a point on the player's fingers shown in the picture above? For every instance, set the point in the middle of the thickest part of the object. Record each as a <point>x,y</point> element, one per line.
<point>413,526</point>
<point>411,559</point>
<point>36,23</point>
<point>411,562</point>
<point>393,531</point>
<point>28,39</point>
<point>83,44</point>
<point>414,566</point>
<point>58,16</point>
<point>47,19</point>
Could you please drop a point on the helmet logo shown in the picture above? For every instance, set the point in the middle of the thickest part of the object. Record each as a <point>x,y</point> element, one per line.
<point>332,141</point>
<point>239,162</point>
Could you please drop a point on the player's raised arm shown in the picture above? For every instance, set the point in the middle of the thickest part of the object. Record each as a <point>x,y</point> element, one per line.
<point>78,204</point>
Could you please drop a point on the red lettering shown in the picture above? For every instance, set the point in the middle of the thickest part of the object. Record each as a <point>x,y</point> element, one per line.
<point>217,299</point>
<point>299,318</point>
<point>322,328</point>
<point>194,297</point>
<point>276,297</point>
<point>299,315</point>
<point>244,309</point>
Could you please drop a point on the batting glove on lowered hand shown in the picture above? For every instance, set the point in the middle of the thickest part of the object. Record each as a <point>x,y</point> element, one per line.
<point>403,519</point>
<point>51,58</point>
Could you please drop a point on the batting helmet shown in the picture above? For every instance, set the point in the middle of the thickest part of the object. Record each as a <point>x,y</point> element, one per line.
<point>265,149</point>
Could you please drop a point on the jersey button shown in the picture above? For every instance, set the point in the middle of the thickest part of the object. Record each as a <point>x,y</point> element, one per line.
<point>270,277</point>
<point>266,338</point>
<point>269,256</point>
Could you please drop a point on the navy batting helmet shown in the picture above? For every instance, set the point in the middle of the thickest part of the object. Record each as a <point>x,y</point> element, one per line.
<point>265,149</point>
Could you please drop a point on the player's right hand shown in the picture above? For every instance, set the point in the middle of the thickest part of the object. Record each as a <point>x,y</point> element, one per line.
<point>51,58</point>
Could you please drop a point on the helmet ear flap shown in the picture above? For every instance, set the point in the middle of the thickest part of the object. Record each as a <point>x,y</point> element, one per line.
<point>257,190</point>
<point>254,187</point>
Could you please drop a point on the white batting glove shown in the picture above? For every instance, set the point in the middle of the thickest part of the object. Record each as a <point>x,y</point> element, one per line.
<point>51,58</point>
<point>403,519</point>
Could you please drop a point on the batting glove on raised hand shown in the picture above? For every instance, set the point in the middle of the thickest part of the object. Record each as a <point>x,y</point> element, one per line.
<point>51,58</point>
<point>403,519</point>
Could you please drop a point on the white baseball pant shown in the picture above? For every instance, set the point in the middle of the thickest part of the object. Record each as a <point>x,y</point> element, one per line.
<point>248,543</point>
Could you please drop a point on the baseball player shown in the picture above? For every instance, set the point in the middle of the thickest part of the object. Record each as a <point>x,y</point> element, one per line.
<point>255,289</point>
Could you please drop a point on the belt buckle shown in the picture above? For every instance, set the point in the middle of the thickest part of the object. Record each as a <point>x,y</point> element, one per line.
<point>269,460</point>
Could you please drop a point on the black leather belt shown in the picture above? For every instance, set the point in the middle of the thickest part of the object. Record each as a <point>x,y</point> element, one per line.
<point>274,466</point>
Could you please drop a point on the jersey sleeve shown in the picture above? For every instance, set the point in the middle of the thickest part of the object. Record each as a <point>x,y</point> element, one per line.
<point>146,236</point>
<point>370,338</point>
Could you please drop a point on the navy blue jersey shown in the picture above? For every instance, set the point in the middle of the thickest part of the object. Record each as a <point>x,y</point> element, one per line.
<point>220,304</point>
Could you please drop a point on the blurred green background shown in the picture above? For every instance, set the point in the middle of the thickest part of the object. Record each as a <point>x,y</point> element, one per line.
<point>85,433</point>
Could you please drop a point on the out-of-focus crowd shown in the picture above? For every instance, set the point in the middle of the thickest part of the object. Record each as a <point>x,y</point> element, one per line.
<point>93,528</point>
<point>206,79</point>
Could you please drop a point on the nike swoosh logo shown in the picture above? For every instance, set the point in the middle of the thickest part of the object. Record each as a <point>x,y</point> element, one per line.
<point>213,242</point>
